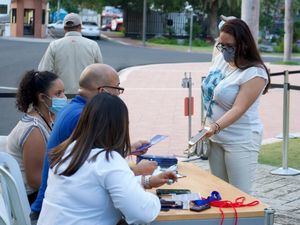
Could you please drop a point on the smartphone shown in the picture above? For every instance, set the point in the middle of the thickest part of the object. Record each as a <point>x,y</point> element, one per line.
<point>154,140</point>
<point>170,204</point>
<point>199,208</point>
<point>198,136</point>
<point>160,192</point>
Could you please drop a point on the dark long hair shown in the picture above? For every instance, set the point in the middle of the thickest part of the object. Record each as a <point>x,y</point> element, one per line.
<point>246,53</point>
<point>32,83</point>
<point>103,124</point>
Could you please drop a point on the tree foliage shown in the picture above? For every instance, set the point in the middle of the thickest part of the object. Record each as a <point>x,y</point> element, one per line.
<point>76,5</point>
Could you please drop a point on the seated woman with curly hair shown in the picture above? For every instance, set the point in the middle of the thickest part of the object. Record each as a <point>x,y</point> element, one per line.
<point>40,95</point>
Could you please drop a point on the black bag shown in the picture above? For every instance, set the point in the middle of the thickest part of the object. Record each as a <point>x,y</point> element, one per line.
<point>122,222</point>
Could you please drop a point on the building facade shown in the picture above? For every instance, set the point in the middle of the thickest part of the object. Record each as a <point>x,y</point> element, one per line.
<point>28,18</point>
<point>4,8</point>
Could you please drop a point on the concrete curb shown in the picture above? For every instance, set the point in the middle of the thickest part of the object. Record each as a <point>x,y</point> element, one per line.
<point>28,39</point>
<point>105,37</point>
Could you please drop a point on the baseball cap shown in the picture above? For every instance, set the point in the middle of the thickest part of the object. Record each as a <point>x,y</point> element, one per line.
<point>72,20</point>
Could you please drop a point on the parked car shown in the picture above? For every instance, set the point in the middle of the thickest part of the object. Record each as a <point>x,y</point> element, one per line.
<point>90,29</point>
<point>106,27</point>
<point>56,29</point>
<point>117,24</point>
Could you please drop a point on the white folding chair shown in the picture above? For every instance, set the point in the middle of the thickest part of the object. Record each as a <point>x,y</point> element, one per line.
<point>3,143</point>
<point>5,218</point>
<point>12,177</point>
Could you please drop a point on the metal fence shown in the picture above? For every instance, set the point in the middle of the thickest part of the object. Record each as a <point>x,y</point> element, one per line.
<point>158,24</point>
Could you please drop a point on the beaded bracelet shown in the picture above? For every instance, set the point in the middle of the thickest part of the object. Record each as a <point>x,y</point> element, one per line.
<point>146,181</point>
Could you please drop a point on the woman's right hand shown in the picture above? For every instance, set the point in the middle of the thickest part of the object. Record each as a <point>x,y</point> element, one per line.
<point>162,178</point>
<point>144,167</point>
<point>213,129</point>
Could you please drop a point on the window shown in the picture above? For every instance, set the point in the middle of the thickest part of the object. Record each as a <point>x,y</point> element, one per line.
<point>3,9</point>
<point>43,16</point>
<point>13,15</point>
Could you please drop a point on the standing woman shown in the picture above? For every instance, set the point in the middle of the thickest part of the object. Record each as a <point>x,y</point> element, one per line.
<point>90,181</point>
<point>231,90</point>
<point>40,95</point>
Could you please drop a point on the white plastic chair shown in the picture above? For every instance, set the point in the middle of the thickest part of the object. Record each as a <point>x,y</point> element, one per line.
<point>5,218</point>
<point>3,143</point>
<point>15,189</point>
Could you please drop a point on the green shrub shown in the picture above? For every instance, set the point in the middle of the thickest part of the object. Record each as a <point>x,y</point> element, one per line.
<point>163,40</point>
<point>296,49</point>
<point>279,47</point>
<point>200,43</point>
<point>173,41</point>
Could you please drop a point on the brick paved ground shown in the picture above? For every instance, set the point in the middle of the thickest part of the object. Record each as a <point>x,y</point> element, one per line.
<point>282,193</point>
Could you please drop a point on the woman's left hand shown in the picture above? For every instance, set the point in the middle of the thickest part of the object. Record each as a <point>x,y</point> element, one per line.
<point>137,145</point>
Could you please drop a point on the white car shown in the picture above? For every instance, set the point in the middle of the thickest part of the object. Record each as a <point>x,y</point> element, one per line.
<point>90,29</point>
<point>56,29</point>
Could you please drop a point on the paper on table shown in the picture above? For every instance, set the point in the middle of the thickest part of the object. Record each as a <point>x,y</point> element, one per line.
<point>186,197</point>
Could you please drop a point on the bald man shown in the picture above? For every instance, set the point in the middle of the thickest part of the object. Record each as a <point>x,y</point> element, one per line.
<point>94,79</point>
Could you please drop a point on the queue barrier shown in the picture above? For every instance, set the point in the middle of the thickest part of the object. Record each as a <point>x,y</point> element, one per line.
<point>187,83</point>
<point>284,170</point>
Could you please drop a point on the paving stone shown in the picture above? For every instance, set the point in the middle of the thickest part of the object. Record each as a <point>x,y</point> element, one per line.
<point>281,193</point>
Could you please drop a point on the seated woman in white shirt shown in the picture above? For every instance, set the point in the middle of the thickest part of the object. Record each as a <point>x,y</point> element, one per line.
<point>89,180</point>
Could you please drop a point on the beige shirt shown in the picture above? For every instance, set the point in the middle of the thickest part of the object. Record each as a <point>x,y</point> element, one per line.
<point>68,57</point>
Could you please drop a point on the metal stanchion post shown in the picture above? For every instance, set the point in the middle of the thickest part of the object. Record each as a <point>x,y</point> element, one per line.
<point>285,170</point>
<point>269,216</point>
<point>190,105</point>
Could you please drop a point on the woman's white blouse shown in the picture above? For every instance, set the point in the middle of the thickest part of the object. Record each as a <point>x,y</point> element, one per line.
<point>98,193</point>
<point>220,89</point>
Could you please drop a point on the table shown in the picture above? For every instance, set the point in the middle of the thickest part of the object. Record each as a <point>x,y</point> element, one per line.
<point>200,181</point>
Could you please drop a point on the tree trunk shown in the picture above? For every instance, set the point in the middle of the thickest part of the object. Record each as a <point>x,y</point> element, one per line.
<point>288,31</point>
<point>250,14</point>
<point>213,20</point>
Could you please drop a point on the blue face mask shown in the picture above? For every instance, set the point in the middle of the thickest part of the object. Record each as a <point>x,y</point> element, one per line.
<point>58,104</point>
<point>228,55</point>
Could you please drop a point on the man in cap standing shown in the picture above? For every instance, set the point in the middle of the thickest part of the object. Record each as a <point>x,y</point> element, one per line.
<point>68,56</point>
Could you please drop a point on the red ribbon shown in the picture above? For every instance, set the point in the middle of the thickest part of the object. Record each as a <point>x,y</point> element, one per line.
<point>239,202</point>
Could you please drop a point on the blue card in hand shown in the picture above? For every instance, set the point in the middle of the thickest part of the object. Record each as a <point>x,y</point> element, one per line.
<point>157,138</point>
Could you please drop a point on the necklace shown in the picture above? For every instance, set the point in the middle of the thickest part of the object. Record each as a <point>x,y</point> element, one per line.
<point>44,119</point>
<point>230,70</point>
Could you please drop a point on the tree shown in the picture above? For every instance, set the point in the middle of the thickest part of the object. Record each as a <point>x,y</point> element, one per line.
<point>288,31</point>
<point>215,8</point>
<point>75,5</point>
<point>250,14</point>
